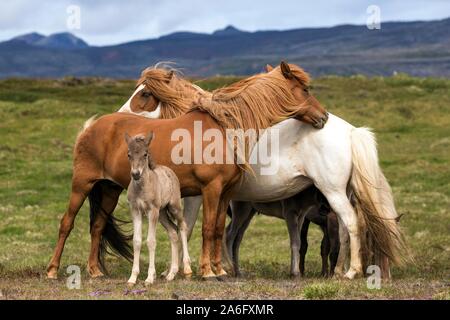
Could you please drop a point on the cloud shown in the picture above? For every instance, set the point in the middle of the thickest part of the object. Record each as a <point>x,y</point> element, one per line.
<point>114,21</point>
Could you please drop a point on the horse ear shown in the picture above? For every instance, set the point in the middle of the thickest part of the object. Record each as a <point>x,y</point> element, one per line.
<point>149,137</point>
<point>268,68</point>
<point>127,137</point>
<point>286,70</point>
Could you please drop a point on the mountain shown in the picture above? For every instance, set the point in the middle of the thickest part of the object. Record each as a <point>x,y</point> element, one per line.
<point>228,31</point>
<point>420,48</point>
<point>29,38</point>
<point>64,40</point>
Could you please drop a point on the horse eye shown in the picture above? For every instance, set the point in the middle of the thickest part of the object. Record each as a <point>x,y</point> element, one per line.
<point>306,90</point>
<point>145,155</point>
<point>146,94</point>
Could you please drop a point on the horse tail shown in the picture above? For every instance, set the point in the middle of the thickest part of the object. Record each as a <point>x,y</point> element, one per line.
<point>86,125</point>
<point>373,201</point>
<point>113,240</point>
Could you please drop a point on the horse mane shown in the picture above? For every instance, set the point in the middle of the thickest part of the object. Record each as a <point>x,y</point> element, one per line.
<point>257,102</point>
<point>176,94</point>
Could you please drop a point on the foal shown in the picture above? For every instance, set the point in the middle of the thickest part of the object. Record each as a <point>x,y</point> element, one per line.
<point>297,211</point>
<point>154,190</point>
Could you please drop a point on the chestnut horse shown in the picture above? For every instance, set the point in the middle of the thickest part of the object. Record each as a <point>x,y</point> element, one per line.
<point>101,168</point>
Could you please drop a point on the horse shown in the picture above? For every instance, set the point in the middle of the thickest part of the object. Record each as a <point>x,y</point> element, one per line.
<point>297,211</point>
<point>342,162</point>
<point>154,190</point>
<point>101,168</point>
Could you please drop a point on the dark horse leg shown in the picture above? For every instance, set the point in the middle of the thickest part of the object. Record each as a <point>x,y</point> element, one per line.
<point>303,245</point>
<point>104,229</point>
<point>333,236</point>
<point>324,250</point>
<point>242,214</point>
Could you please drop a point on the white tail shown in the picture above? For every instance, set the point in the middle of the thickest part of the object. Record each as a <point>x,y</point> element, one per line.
<point>374,202</point>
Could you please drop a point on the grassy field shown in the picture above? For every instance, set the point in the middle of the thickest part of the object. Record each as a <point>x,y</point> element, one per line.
<point>39,122</point>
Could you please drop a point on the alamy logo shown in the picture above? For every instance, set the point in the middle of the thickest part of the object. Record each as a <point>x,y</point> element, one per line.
<point>74,279</point>
<point>374,278</point>
<point>373,21</point>
<point>206,146</point>
<point>73,21</point>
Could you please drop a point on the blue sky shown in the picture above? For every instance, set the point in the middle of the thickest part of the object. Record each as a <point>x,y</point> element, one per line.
<point>114,21</point>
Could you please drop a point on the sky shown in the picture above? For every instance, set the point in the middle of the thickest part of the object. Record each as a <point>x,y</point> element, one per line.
<point>105,22</point>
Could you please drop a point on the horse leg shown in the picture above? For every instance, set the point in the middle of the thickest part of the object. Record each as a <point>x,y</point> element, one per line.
<point>77,198</point>
<point>343,208</point>
<point>177,213</point>
<point>153,216</point>
<point>137,243</point>
<point>109,199</point>
<point>242,214</point>
<point>220,228</point>
<point>172,231</point>
<point>294,221</point>
<point>333,236</point>
<point>344,249</point>
<point>303,245</point>
<point>324,251</point>
<point>211,196</point>
<point>190,212</point>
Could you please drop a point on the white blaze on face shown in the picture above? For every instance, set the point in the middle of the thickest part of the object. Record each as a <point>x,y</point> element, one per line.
<point>127,107</point>
<point>155,114</point>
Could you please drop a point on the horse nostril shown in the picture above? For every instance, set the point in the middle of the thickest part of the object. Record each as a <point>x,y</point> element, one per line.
<point>135,175</point>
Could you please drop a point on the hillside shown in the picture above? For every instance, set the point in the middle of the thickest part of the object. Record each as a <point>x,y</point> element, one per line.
<point>417,48</point>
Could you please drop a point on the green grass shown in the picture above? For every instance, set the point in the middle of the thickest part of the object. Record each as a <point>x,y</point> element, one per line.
<point>39,123</point>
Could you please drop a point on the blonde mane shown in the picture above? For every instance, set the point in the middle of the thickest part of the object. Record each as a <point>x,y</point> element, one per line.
<point>176,95</point>
<point>256,103</point>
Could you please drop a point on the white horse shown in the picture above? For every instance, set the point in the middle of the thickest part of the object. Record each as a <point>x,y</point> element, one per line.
<point>342,162</point>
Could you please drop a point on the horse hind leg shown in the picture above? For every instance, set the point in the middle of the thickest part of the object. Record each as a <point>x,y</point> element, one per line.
<point>77,198</point>
<point>333,236</point>
<point>172,231</point>
<point>348,220</point>
<point>325,251</point>
<point>303,245</point>
<point>177,213</point>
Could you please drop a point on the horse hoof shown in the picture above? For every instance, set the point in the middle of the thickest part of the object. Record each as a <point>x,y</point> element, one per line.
<point>295,276</point>
<point>97,274</point>
<point>52,273</point>
<point>52,276</point>
<point>131,285</point>
<point>352,274</point>
<point>170,276</point>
